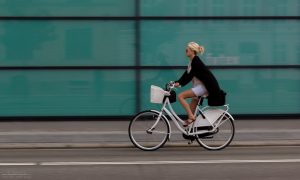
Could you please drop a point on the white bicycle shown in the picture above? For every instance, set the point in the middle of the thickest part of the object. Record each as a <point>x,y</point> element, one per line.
<point>149,130</point>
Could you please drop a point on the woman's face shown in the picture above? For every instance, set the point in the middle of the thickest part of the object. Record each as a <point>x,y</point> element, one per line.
<point>189,52</point>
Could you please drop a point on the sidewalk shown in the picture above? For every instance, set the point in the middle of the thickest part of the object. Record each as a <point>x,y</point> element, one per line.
<point>110,133</point>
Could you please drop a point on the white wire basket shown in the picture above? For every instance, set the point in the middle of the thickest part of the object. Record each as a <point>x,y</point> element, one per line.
<point>157,94</point>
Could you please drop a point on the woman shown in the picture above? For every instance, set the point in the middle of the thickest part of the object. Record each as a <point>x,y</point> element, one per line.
<point>204,82</point>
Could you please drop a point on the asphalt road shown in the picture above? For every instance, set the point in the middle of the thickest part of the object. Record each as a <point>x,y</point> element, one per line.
<point>275,162</point>
<point>109,133</point>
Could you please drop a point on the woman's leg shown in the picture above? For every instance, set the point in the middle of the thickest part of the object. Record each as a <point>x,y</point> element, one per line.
<point>182,96</point>
<point>194,104</point>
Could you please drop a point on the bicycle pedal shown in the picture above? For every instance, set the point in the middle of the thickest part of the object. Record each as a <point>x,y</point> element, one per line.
<point>190,142</point>
<point>207,137</point>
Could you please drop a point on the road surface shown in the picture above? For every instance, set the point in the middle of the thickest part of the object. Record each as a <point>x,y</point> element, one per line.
<point>250,163</point>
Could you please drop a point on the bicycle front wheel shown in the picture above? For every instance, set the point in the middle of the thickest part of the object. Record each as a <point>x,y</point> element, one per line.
<point>144,135</point>
<point>221,137</point>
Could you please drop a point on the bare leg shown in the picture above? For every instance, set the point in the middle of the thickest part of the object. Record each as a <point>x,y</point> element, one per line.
<point>193,104</point>
<point>182,96</point>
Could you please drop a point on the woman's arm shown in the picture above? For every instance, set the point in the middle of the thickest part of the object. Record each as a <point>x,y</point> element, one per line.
<point>185,78</point>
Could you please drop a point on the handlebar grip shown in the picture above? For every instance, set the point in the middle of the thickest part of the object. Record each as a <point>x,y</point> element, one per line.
<point>169,84</point>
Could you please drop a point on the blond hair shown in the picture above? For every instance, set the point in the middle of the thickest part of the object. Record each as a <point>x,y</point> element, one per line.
<point>196,47</point>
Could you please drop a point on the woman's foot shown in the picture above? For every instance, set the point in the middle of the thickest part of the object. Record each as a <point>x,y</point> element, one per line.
<point>188,122</point>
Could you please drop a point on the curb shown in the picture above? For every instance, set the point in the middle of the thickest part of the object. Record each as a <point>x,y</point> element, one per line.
<point>62,145</point>
<point>129,145</point>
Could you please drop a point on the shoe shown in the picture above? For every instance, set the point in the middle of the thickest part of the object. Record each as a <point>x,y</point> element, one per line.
<point>191,138</point>
<point>188,122</point>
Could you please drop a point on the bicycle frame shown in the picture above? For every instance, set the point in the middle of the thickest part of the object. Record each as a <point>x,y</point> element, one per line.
<point>188,131</point>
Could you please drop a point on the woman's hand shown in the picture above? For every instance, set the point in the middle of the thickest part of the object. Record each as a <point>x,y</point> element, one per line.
<point>177,84</point>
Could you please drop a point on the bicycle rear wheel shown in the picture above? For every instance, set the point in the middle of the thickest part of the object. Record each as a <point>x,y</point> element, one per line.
<point>221,137</point>
<point>142,136</point>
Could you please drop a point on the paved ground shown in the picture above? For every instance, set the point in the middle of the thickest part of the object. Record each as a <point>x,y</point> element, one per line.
<point>232,163</point>
<point>262,149</point>
<point>110,133</point>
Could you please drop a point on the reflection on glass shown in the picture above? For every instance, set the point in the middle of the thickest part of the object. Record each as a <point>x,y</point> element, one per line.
<point>67,8</point>
<point>67,93</point>
<point>56,43</point>
<point>220,8</point>
<point>226,42</point>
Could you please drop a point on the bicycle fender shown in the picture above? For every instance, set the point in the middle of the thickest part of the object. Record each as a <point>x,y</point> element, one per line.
<point>226,112</point>
<point>230,115</point>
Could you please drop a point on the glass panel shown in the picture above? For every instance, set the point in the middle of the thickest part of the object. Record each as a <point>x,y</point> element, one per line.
<point>220,8</point>
<point>67,93</point>
<point>251,42</point>
<point>248,91</point>
<point>262,91</point>
<point>67,7</point>
<point>66,43</point>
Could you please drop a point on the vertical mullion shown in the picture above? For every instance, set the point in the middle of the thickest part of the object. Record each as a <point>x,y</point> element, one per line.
<point>137,57</point>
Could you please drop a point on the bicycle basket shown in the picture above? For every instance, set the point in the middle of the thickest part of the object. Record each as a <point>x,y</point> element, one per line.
<point>157,94</point>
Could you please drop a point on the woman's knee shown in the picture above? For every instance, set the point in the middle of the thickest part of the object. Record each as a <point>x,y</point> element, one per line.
<point>181,96</point>
<point>186,94</point>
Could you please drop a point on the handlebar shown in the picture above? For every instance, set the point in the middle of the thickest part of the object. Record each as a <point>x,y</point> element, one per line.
<point>170,85</point>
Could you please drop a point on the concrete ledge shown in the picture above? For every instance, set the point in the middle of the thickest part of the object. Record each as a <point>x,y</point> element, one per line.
<point>129,145</point>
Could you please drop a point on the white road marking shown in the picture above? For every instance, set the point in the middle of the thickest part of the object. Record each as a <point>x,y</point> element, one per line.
<point>15,174</point>
<point>173,162</point>
<point>151,162</point>
<point>18,164</point>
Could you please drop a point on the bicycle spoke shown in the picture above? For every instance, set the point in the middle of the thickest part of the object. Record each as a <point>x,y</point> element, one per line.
<point>159,132</point>
<point>222,122</point>
<point>221,137</point>
<point>142,136</point>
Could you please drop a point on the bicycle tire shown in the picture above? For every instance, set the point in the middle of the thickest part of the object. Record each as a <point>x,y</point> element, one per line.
<point>203,139</point>
<point>149,121</point>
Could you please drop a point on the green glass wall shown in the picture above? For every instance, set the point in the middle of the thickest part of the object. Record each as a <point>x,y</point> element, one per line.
<point>220,8</point>
<point>252,42</point>
<point>99,58</point>
<point>67,7</point>
<point>67,43</point>
<point>67,92</point>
